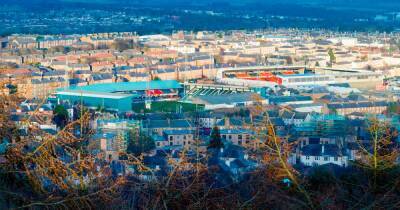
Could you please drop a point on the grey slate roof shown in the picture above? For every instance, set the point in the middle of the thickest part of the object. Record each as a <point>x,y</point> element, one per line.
<point>316,150</point>
<point>227,98</point>
<point>357,105</point>
<point>167,124</point>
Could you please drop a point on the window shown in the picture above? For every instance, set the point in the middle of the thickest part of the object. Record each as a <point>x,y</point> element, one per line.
<point>239,136</point>
<point>223,136</point>
<point>307,157</point>
<point>229,137</point>
<point>171,138</point>
<point>158,144</point>
<point>184,137</point>
<point>240,142</point>
<point>171,143</point>
<point>336,158</point>
<point>247,137</point>
<point>316,158</point>
<point>326,158</point>
<point>184,142</point>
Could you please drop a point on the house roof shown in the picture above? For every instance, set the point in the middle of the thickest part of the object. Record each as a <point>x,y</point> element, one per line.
<point>167,124</point>
<point>356,97</point>
<point>232,122</point>
<point>178,132</point>
<point>285,99</point>
<point>358,105</point>
<point>277,121</point>
<point>78,93</point>
<point>321,150</point>
<point>235,131</point>
<point>300,115</point>
<point>227,98</point>
<point>130,86</point>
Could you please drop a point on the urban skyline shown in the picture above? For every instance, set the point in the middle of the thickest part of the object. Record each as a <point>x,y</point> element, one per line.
<point>199,105</point>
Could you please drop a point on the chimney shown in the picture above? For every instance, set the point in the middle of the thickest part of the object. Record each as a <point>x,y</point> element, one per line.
<point>103,144</point>
<point>227,122</point>
<point>228,162</point>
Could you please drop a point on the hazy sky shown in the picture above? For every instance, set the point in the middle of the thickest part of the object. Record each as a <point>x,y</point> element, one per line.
<point>389,5</point>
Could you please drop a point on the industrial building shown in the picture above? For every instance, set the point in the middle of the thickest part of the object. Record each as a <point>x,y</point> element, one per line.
<point>110,101</point>
<point>294,76</point>
<point>305,79</point>
<point>121,96</point>
<point>232,100</point>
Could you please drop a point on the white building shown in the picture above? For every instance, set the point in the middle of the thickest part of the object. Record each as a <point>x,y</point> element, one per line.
<point>321,154</point>
<point>345,41</point>
<point>305,79</point>
<point>184,49</point>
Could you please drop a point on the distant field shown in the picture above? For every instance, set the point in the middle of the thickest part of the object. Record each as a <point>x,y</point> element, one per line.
<point>168,106</point>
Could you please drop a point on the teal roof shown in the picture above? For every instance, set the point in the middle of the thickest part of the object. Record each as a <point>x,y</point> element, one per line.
<point>129,86</point>
<point>92,94</point>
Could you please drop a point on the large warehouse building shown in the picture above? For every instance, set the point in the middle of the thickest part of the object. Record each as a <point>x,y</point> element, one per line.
<point>115,102</point>
<point>121,96</point>
<point>295,76</point>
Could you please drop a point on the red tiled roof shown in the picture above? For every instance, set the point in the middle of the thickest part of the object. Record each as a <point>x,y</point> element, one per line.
<point>15,71</point>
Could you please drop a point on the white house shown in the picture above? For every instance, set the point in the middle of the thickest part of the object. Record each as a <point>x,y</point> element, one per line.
<point>321,154</point>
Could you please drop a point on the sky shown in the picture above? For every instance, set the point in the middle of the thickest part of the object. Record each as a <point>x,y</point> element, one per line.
<point>386,5</point>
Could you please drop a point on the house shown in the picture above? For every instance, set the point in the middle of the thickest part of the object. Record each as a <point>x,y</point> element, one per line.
<point>101,78</point>
<point>23,43</point>
<point>373,107</point>
<point>50,41</point>
<point>40,88</point>
<point>179,138</point>
<point>231,123</point>
<point>308,108</point>
<point>209,120</point>
<point>240,137</point>
<point>233,162</point>
<point>108,145</point>
<point>294,118</point>
<point>321,154</point>
<point>157,127</point>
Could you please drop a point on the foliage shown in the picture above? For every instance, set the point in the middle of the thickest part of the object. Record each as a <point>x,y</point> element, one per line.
<point>44,171</point>
<point>332,57</point>
<point>139,144</point>
<point>50,171</point>
<point>215,140</point>
<point>122,45</point>
<point>61,49</point>
<point>156,78</point>
<point>60,116</point>
<point>393,108</point>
